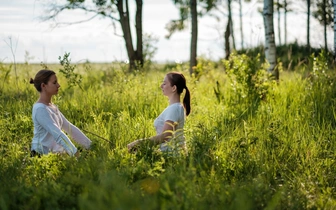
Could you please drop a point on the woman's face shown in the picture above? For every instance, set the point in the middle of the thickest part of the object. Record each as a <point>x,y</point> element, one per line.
<point>52,86</point>
<point>167,88</point>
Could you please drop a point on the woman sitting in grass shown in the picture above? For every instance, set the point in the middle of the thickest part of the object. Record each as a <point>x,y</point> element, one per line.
<point>169,124</point>
<point>49,121</point>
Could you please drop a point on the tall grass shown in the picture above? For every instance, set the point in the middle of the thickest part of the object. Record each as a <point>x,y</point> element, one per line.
<point>274,152</point>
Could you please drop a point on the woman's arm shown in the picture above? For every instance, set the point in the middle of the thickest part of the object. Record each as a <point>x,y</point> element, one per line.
<point>167,133</point>
<point>75,133</point>
<point>45,120</point>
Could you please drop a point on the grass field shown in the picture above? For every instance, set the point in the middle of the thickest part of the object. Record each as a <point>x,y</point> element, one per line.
<point>252,143</point>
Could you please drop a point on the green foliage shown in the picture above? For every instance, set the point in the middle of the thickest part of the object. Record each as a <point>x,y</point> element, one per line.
<point>249,81</point>
<point>204,66</point>
<point>277,155</point>
<point>68,71</point>
<point>149,51</point>
<point>322,88</point>
<point>149,48</point>
<point>319,75</point>
<point>4,74</point>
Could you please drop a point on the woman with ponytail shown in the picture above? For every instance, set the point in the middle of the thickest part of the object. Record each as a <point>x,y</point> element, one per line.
<point>49,122</point>
<point>169,124</point>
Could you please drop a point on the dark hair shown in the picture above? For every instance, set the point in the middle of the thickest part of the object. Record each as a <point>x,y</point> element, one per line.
<point>42,76</point>
<point>178,79</point>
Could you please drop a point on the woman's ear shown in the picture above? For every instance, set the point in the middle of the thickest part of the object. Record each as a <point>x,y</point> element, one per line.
<point>174,88</point>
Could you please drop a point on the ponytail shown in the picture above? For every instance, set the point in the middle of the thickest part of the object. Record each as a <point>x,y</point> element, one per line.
<point>179,80</point>
<point>186,101</point>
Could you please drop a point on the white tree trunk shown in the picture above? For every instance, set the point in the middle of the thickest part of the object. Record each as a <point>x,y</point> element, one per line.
<point>270,50</point>
<point>241,23</point>
<point>334,3</point>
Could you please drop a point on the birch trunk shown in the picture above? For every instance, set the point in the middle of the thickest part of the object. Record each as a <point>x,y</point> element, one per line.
<point>241,23</point>
<point>270,50</point>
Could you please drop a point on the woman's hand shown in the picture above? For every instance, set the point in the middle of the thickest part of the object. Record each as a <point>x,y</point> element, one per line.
<point>133,145</point>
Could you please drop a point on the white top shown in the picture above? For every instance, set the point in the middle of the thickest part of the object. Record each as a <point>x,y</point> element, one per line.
<point>174,113</point>
<point>48,134</point>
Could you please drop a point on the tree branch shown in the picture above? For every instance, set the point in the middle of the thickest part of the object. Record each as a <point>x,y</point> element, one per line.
<point>54,10</point>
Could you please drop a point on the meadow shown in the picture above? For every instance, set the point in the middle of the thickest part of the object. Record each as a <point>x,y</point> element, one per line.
<point>253,143</point>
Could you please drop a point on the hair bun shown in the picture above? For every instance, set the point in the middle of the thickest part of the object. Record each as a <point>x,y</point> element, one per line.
<point>31,81</point>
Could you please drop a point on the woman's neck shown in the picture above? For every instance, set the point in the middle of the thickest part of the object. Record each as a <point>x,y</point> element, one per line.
<point>45,100</point>
<point>174,99</point>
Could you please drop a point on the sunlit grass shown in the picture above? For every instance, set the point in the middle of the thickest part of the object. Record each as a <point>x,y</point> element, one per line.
<point>278,153</point>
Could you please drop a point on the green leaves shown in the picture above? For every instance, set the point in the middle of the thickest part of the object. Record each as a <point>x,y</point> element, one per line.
<point>68,71</point>
<point>249,80</point>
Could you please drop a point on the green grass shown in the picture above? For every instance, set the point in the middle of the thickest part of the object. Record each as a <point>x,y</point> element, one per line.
<point>276,152</point>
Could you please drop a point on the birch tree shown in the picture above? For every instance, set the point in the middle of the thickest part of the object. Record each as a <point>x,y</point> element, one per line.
<point>270,49</point>
<point>241,23</point>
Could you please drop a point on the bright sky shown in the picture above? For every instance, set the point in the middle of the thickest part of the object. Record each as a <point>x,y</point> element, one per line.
<point>23,33</point>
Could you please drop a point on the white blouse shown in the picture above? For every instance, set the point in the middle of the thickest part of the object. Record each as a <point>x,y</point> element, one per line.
<point>48,135</point>
<point>174,113</point>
